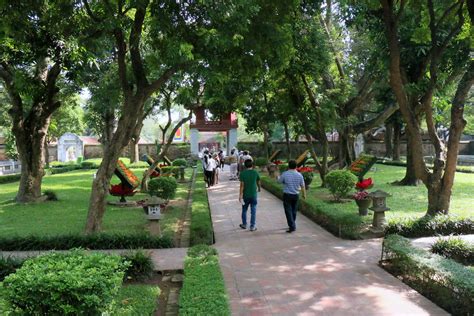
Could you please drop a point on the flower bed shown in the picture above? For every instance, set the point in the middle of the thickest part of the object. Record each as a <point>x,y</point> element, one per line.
<point>126,175</point>
<point>362,165</point>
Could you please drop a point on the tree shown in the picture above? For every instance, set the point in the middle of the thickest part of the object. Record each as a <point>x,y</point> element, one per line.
<point>445,54</point>
<point>41,41</point>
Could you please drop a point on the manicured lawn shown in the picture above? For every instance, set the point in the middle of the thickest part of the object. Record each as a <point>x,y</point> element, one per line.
<point>68,215</point>
<point>406,201</point>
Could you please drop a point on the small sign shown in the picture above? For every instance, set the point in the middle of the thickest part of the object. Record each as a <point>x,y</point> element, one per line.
<point>154,212</point>
<point>179,135</point>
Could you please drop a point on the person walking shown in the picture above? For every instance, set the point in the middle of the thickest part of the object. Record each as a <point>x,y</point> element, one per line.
<point>249,184</point>
<point>233,164</point>
<point>293,182</point>
<point>209,166</point>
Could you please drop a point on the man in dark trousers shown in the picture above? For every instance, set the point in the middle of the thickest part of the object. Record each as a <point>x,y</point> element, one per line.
<point>293,182</point>
<point>249,183</point>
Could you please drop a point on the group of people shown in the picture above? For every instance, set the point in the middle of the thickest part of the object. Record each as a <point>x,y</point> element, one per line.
<point>236,161</point>
<point>212,164</point>
<point>293,183</point>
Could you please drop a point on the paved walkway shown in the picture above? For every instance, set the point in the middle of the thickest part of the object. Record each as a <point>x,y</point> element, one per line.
<point>310,272</point>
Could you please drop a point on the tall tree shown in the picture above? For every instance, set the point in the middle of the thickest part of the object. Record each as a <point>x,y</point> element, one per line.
<point>40,42</point>
<point>445,54</point>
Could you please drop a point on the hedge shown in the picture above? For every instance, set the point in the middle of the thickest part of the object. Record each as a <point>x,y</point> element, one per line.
<point>456,249</point>
<point>73,283</point>
<point>462,169</point>
<point>203,291</point>
<point>341,224</point>
<point>201,230</point>
<point>140,266</point>
<point>430,226</point>
<point>57,170</point>
<point>447,283</point>
<point>95,241</point>
<point>10,178</point>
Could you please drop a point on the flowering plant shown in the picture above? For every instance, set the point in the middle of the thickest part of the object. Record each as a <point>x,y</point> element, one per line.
<point>306,172</point>
<point>277,162</point>
<point>121,190</point>
<point>361,195</point>
<point>127,174</point>
<point>154,174</point>
<point>364,184</point>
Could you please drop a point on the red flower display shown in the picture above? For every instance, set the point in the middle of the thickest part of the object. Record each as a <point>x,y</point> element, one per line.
<point>277,162</point>
<point>121,190</point>
<point>365,184</point>
<point>154,174</point>
<point>304,169</point>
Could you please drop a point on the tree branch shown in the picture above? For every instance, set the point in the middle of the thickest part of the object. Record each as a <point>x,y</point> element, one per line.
<point>134,43</point>
<point>122,66</point>
<point>376,121</point>
<point>156,85</point>
<point>90,13</point>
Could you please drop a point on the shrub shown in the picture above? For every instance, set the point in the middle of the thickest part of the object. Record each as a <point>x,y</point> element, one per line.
<point>261,162</point>
<point>345,224</point>
<point>95,241</point>
<point>136,299</point>
<point>75,283</point>
<point>456,249</point>
<point>444,281</point>
<point>51,195</point>
<point>340,183</point>
<point>283,167</point>
<point>201,231</point>
<point>138,165</point>
<point>163,187</point>
<point>180,162</point>
<point>89,165</point>
<point>430,226</point>
<point>203,291</point>
<point>140,266</point>
<point>58,170</point>
<point>79,160</point>
<point>170,171</point>
<point>10,178</point>
<point>8,266</point>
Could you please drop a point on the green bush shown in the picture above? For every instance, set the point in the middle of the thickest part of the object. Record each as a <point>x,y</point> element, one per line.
<point>345,224</point>
<point>140,266</point>
<point>79,160</point>
<point>138,165</point>
<point>456,249</point>
<point>180,162</point>
<point>163,187</point>
<point>136,299</point>
<point>445,282</point>
<point>60,164</point>
<point>8,266</point>
<point>340,183</point>
<point>95,241</point>
<point>203,291</point>
<point>89,165</point>
<point>283,167</point>
<point>51,195</point>
<point>261,162</point>
<point>58,170</point>
<point>10,178</point>
<point>201,231</point>
<point>430,226</point>
<point>75,283</point>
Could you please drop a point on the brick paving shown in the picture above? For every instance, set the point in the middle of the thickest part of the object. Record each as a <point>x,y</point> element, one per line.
<point>309,272</point>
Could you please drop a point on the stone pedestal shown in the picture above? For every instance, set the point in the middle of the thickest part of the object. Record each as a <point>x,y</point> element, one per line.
<point>194,139</point>
<point>231,139</point>
<point>154,228</point>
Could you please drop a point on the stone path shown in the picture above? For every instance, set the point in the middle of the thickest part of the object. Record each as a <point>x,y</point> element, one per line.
<point>310,272</point>
<point>163,259</point>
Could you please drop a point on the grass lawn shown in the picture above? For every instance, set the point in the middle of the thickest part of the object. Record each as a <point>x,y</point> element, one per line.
<point>406,201</point>
<point>68,215</point>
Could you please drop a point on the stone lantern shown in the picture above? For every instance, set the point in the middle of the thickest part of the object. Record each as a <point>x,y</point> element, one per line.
<point>153,210</point>
<point>379,207</point>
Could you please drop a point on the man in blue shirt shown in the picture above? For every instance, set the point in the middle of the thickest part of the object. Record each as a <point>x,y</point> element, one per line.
<point>293,182</point>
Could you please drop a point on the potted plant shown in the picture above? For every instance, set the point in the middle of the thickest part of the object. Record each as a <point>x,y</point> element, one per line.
<point>362,197</point>
<point>307,173</point>
<point>122,191</point>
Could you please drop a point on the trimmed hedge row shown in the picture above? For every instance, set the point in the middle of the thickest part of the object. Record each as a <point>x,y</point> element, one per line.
<point>462,169</point>
<point>341,224</point>
<point>446,282</point>
<point>140,266</point>
<point>203,291</point>
<point>10,178</point>
<point>456,249</point>
<point>430,226</point>
<point>96,241</point>
<point>201,230</point>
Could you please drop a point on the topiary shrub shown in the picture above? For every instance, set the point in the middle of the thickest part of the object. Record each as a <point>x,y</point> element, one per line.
<point>51,195</point>
<point>340,183</point>
<point>170,171</point>
<point>261,162</point>
<point>74,283</point>
<point>180,162</point>
<point>163,187</point>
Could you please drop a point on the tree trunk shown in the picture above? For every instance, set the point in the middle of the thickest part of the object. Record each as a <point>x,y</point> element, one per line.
<point>265,143</point>
<point>31,153</point>
<point>410,178</point>
<point>388,139</point>
<point>287,139</point>
<point>134,151</point>
<point>438,198</point>
<point>397,133</point>
<point>346,148</point>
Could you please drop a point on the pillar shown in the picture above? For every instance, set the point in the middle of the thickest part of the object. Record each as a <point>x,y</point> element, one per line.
<point>231,139</point>
<point>194,138</point>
